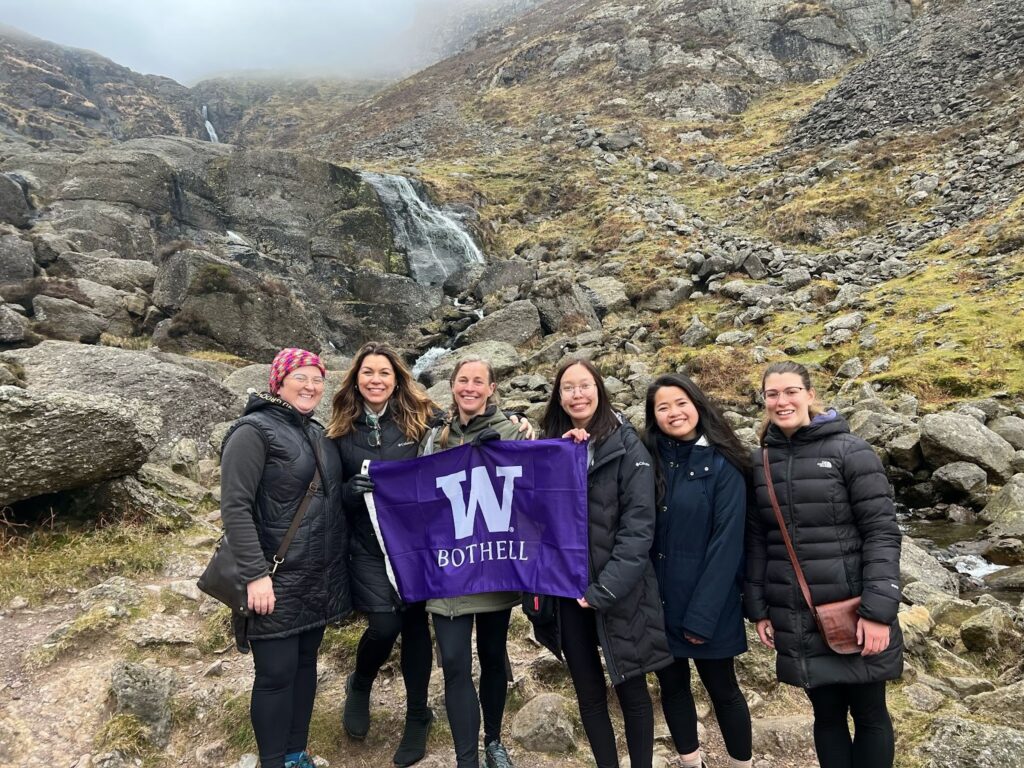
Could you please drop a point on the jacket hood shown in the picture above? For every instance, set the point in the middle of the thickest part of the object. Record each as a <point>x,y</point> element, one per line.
<point>823,425</point>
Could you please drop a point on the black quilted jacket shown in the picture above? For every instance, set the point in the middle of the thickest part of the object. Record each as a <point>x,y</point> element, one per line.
<point>266,466</point>
<point>623,588</point>
<point>371,590</point>
<point>838,506</point>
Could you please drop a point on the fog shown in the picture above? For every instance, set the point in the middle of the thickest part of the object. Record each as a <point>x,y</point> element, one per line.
<point>189,40</point>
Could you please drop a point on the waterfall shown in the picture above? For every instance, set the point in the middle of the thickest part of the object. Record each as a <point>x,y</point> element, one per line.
<point>434,241</point>
<point>427,359</point>
<point>210,131</point>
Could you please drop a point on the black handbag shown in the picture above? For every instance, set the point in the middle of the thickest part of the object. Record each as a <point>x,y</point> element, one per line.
<point>539,609</point>
<point>221,579</point>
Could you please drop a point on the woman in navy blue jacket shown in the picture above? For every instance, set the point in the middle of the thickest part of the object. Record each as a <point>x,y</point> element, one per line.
<point>701,470</point>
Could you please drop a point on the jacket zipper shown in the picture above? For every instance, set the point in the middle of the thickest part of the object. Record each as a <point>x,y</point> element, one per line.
<point>797,595</point>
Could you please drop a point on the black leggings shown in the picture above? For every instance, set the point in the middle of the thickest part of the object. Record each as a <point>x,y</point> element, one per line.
<point>454,640</point>
<point>719,679</point>
<point>872,742</point>
<point>282,694</point>
<point>580,646</point>
<point>379,639</point>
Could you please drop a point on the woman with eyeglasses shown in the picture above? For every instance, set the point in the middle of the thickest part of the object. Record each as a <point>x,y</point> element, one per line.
<point>381,413</point>
<point>701,469</point>
<point>268,464</point>
<point>837,505</point>
<point>620,613</point>
<point>474,417</point>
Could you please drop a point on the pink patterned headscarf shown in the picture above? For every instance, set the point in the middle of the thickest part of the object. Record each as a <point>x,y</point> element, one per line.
<point>287,360</point>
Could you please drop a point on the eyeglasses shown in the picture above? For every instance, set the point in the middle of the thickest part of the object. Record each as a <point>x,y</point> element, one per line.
<point>568,390</point>
<point>301,378</point>
<point>771,395</point>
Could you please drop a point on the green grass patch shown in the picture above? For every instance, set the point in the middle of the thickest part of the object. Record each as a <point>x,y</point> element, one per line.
<point>126,734</point>
<point>49,561</point>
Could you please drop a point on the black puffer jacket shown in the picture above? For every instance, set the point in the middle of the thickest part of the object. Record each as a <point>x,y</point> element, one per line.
<point>837,503</point>
<point>371,590</point>
<point>266,466</point>
<point>623,588</point>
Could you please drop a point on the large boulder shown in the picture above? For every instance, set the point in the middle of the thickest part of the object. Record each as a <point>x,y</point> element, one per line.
<point>607,294</point>
<point>13,325</point>
<point>949,437</point>
<point>544,724</point>
<point>55,441</point>
<point>67,320</point>
<point>961,481</point>
<point>1005,510</point>
<point>917,565</point>
<point>1011,429</point>
<point>14,205</point>
<point>189,402</point>
<point>500,275</point>
<point>105,268</point>
<point>17,258</point>
<point>563,305</point>
<point>957,741</point>
<point>145,692</point>
<point>517,323</point>
<point>502,356</point>
<point>1004,706</point>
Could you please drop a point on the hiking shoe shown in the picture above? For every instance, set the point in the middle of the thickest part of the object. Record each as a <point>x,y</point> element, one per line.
<point>305,761</point>
<point>356,717</point>
<point>496,756</point>
<point>413,745</point>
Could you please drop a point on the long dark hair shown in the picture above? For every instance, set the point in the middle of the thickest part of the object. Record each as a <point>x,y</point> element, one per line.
<point>556,422</point>
<point>410,406</point>
<point>712,426</point>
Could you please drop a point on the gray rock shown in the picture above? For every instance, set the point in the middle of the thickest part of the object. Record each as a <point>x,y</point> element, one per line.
<point>1011,578</point>
<point>163,629</point>
<point>1004,706</point>
<point>145,692</point>
<point>961,481</point>
<point>55,441</point>
<point>118,591</point>
<point>615,142</point>
<point>517,323</point>
<point>962,742</point>
<point>665,298</point>
<point>184,458</point>
<point>105,268</point>
<point>17,257</point>
<point>607,294</point>
<point>563,305</point>
<point>501,355</point>
<point>917,565</point>
<point>1005,510</point>
<point>67,320</point>
<point>793,279</point>
<point>851,321</point>
<point>872,425</point>
<point>13,325</point>
<point>905,450</point>
<point>697,334</point>
<point>949,437</point>
<point>189,402</point>
<point>498,275</point>
<point>1011,429</point>
<point>923,698</point>
<point>985,631</point>
<point>786,734</point>
<point>14,205</point>
<point>850,369</point>
<point>544,724</point>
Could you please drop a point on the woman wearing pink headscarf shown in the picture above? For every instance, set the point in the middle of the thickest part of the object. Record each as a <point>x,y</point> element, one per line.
<point>268,464</point>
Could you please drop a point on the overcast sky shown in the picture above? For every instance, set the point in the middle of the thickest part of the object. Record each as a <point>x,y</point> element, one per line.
<point>192,39</point>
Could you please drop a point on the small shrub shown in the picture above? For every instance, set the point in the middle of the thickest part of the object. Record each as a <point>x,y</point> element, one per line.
<point>126,734</point>
<point>215,278</point>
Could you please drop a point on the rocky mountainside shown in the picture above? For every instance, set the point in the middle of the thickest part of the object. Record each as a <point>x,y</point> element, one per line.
<point>698,185</point>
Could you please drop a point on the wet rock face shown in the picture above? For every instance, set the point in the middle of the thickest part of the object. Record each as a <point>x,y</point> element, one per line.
<point>54,441</point>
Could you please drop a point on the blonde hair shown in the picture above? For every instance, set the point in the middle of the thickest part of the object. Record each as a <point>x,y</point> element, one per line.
<point>453,414</point>
<point>409,406</point>
<point>787,366</point>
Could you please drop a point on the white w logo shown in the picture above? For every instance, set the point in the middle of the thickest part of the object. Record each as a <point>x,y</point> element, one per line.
<point>481,495</point>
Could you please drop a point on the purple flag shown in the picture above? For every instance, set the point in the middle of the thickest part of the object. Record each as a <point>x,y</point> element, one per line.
<point>504,515</point>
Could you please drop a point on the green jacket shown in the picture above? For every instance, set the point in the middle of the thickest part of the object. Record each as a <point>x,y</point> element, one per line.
<point>485,602</point>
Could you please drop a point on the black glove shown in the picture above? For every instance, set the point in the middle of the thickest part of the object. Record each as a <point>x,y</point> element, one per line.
<point>485,435</point>
<point>360,484</point>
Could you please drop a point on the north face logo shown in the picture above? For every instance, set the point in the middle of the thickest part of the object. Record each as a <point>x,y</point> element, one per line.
<point>825,464</point>
<point>481,496</point>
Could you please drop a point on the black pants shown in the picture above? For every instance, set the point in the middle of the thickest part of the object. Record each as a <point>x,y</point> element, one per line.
<point>719,679</point>
<point>454,640</point>
<point>580,646</point>
<point>872,743</point>
<point>379,639</point>
<point>282,694</point>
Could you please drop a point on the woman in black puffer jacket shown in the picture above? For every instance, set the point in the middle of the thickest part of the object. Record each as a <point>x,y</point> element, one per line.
<point>380,413</point>
<point>837,503</point>
<point>268,462</point>
<point>620,613</point>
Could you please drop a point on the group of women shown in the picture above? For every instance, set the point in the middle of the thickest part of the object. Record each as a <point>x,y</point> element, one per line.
<point>683,541</point>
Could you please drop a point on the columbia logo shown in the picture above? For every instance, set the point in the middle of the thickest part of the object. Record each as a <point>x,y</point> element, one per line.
<point>825,464</point>
<point>642,464</point>
<point>407,442</point>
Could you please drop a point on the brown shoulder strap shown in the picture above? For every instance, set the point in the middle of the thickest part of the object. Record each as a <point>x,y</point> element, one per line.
<point>785,533</point>
<point>314,486</point>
